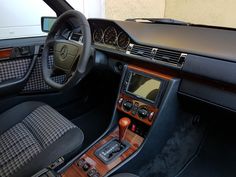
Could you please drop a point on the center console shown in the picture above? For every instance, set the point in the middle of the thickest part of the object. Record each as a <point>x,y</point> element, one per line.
<point>137,107</point>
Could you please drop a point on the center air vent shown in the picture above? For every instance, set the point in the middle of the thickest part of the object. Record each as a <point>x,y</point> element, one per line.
<point>142,51</point>
<point>168,56</point>
<point>155,54</point>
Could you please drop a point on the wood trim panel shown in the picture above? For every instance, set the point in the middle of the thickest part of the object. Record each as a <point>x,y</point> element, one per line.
<point>151,109</point>
<point>76,171</point>
<point>151,72</point>
<point>5,53</point>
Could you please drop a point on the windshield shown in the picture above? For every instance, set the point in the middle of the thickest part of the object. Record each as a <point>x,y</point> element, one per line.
<point>205,12</point>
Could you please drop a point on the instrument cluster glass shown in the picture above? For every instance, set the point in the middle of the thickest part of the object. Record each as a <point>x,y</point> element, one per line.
<point>111,36</point>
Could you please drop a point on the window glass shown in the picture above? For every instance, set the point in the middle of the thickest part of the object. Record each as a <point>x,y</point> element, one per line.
<point>22,18</point>
<point>206,12</point>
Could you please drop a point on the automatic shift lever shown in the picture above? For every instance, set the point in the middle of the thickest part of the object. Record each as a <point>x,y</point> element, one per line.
<point>123,126</point>
<point>114,148</point>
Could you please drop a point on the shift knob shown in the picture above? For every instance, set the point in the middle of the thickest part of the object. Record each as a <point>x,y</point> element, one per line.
<point>123,126</point>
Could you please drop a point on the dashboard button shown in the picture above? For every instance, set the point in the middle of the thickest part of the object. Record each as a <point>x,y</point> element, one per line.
<point>150,117</point>
<point>86,167</point>
<point>96,175</point>
<point>127,105</point>
<point>81,162</point>
<point>143,113</point>
<point>91,172</point>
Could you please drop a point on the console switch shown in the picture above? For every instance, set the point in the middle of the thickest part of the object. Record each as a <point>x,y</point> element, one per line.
<point>120,101</point>
<point>150,117</point>
<point>127,105</point>
<point>92,172</point>
<point>86,167</point>
<point>81,162</point>
<point>143,113</point>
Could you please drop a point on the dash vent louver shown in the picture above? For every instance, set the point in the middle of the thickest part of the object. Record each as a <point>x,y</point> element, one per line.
<point>157,55</point>
<point>143,51</point>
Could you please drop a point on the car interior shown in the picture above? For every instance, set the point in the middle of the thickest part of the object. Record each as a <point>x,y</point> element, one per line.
<point>135,98</point>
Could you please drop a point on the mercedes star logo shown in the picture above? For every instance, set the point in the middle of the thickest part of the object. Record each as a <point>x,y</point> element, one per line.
<point>64,52</point>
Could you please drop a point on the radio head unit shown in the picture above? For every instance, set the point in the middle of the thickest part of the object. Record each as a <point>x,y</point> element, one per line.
<point>143,86</point>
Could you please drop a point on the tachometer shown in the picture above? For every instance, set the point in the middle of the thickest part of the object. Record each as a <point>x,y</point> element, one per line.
<point>123,40</point>
<point>98,35</point>
<point>110,36</point>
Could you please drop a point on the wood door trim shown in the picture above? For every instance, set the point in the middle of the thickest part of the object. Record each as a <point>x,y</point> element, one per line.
<point>75,171</point>
<point>5,53</point>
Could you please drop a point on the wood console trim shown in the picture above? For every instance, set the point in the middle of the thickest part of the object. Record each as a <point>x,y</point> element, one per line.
<point>90,157</point>
<point>150,72</point>
<point>5,53</point>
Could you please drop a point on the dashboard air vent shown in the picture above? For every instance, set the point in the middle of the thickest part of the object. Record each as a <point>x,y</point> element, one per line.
<point>155,54</point>
<point>168,56</point>
<point>142,51</point>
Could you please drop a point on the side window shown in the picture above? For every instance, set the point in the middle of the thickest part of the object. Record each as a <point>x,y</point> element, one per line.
<point>22,18</point>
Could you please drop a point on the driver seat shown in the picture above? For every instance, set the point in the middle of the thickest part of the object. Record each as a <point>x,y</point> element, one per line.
<point>32,136</point>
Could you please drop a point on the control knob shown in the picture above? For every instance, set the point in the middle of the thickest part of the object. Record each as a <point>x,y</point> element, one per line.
<point>143,113</point>
<point>127,105</point>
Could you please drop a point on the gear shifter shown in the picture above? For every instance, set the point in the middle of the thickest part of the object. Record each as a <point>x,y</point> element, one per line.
<point>123,126</point>
<point>115,148</point>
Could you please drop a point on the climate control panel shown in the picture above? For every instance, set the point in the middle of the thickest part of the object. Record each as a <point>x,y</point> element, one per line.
<point>137,109</point>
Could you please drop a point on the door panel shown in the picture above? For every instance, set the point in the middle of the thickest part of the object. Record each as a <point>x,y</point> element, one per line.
<point>20,67</point>
<point>36,82</point>
<point>15,67</point>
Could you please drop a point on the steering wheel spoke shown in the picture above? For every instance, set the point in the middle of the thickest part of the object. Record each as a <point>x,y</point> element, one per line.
<point>50,42</point>
<point>70,56</point>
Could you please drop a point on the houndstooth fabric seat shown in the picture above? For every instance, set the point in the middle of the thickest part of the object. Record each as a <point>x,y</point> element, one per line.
<point>32,136</point>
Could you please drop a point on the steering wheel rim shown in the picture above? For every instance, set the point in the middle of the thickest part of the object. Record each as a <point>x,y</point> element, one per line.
<point>67,53</point>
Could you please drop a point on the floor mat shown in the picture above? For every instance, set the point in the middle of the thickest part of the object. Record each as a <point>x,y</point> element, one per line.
<point>176,153</point>
<point>93,123</point>
<point>217,157</point>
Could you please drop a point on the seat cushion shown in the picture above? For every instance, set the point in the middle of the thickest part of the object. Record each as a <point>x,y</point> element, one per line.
<point>39,136</point>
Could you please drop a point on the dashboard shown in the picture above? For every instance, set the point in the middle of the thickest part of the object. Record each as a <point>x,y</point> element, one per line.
<point>203,58</point>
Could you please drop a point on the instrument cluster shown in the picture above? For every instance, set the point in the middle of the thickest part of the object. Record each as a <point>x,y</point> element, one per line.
<point>110,36</point>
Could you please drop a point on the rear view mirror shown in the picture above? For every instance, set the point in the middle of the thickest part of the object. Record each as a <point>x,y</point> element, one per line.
<point>47,22</point>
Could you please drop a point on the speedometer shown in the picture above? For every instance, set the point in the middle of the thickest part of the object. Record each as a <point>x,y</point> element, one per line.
<point>110,36</point>
<point>98,35</point>
<point>123,40</point>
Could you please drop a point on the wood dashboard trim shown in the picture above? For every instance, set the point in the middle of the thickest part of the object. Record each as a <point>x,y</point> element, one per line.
<point>151,72</point>
<point>90,157</point>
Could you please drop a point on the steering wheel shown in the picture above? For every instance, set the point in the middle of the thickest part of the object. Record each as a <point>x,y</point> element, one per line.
<point>69,56</point>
